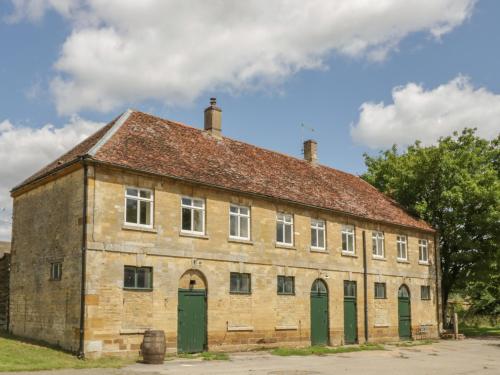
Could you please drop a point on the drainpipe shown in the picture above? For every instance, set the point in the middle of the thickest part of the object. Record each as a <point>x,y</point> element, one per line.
<point>439,301</point>
<point>365,286</point>
<point>81,350</point>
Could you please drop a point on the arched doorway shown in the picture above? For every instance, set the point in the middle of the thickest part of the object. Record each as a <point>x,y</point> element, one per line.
<point>404,313</point>
<point>192,313</point>
<point>319,313</point>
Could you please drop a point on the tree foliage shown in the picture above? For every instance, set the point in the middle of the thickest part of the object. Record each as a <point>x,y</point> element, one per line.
<point>455,186</point>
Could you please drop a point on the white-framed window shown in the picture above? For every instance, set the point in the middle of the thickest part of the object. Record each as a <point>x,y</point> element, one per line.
<point>401,248</point>
<point>318,237</point>
<point>378,244</point>
<point>284,229</point>
<point>423,251</point>
<point>193,215</point>
<point>348,239</point>
<point>138,207</point>
<point>239,222</point>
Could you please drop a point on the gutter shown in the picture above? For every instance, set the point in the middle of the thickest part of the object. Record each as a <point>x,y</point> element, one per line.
<point>365,286</point>
<point>81,349</point>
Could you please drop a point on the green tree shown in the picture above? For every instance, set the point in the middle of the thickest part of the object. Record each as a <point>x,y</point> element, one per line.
<point>455,186</point>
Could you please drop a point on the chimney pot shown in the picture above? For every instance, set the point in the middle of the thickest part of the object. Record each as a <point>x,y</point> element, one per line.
<point>213,118</point>
<point>311,151</point>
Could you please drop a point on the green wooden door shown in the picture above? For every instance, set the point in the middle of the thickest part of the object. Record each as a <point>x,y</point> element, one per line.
<point>350,313</point>
<point>404,318</point>
<point>191,321</point>
<point>319,313</point>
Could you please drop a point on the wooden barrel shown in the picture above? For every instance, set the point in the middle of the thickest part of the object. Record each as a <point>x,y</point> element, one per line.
<point>153,347</point>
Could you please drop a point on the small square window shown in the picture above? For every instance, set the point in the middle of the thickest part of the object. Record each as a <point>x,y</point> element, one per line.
<point>240,283</point>
<point>56,271</point>
<point>138,278</point>
<point>425,292</point>
<point>286,285</point>
<point>380,291</point>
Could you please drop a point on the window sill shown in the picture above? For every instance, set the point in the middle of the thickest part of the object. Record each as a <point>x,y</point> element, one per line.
<point>318,250</point>
<point>286,294</point>
<point>424,263</point>
<point>286,328</point>
<point>138,289</point>
<point>348,254</point>
<point>194,235</point>
<point>139,228</point>
<point>404,261</point>
<point>285,246</point>
<point>379,258</point>
<point>138,331</point>
<point>238,240</point>
<point>241,293</point>
<point>239,328</point>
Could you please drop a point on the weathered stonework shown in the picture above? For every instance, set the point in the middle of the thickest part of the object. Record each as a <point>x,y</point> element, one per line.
<point>47,226</point>
<point>4,283</point>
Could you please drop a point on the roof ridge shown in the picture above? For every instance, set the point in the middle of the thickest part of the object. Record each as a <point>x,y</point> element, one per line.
<point>251,145</point>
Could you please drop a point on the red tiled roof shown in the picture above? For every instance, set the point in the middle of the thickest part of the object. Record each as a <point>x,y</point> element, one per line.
<point>146,143</point>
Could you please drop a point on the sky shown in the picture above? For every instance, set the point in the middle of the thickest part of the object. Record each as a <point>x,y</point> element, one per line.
<point>360,75</point>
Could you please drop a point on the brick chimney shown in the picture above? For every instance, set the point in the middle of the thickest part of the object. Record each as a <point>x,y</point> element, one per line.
<point>213,118</point>
<point>311,151</point>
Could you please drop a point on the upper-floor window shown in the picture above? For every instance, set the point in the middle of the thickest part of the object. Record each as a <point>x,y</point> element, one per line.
<point>378,244</point>
<point>139,207</point>
<point>425,292</point>
<point>401,247</point>
<point>318,234</point>
<point>138,277</point>
<point>56,271</point>
<point>193,215</point>
<point>286,285</point>
<point>348,238</point>
<point>380,291</point>
<point>284,229</point>
<point>423,251</point>
<point>239,222</point>
<point>240,283</point>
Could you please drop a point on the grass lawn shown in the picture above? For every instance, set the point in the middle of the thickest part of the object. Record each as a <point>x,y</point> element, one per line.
<point>16,355</point>
<point>324,350</point>
<point>471,331</point>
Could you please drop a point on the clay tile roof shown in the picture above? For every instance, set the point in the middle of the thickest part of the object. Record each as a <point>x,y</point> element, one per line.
<point>147,143</point>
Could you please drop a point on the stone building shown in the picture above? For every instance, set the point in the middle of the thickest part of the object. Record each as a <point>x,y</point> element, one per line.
<point>4,283</point>
<point>150,223</point>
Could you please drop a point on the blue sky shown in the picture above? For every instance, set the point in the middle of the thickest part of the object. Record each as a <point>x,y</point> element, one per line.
<point>376,77</point>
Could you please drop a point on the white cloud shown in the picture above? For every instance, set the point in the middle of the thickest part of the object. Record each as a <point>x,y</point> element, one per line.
<point>123,51</point>
<point>24,150</point>
<point>426,115</point>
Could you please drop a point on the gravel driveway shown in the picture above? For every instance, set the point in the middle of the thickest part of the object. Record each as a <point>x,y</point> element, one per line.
<point>472,356</point>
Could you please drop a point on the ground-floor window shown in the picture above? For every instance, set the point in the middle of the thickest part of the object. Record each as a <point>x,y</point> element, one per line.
<point>240,283</point>
<point>286,285</point>
<point>380,291</point>
<point>138,278</point>
<point>425,292</point>
<point>56,271</point>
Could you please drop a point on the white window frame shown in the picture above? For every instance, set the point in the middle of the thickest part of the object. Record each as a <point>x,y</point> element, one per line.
<point>378,235</point>
<point>319,225</point>
<point>192,207</point>
<point>284,222</point>
<point>400,241</point>
<point>139,199</point>
<point>348,230</point>
<point>423,244</point>
<point>238,216</point>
